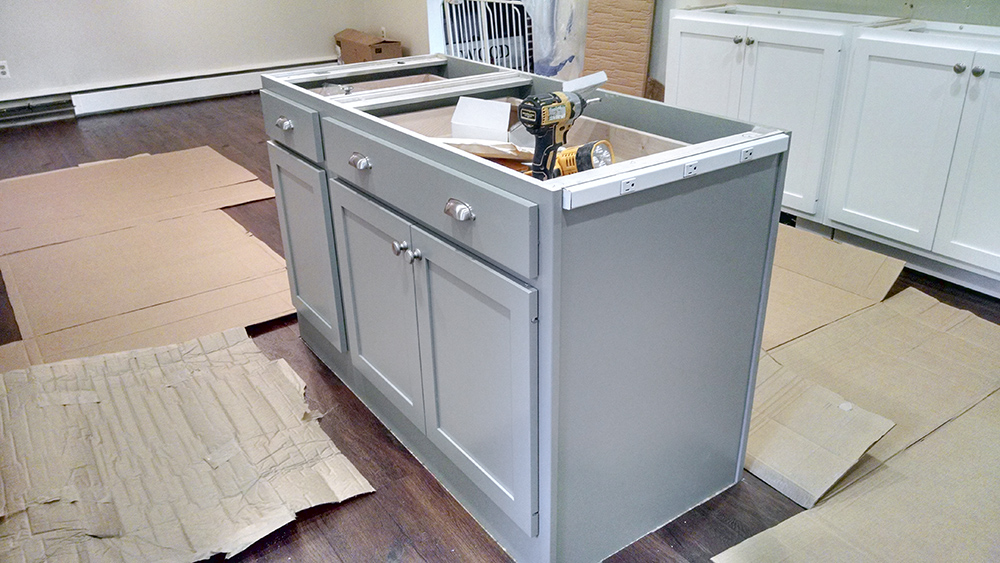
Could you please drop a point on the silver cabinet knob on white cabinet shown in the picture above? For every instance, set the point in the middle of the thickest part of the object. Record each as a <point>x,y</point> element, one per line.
<point>459,210</point>
<point>959,68</point>
<point>413,255</point>
<point>284,124</point>
<point>398,247</point>
<point>751,40</point>
<point>978,71</point>
<point>738,39</point>
<point>359,161</point>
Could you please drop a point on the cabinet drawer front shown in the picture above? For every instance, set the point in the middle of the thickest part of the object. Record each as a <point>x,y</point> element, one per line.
<point>505,228</point>
<point>293,125</point>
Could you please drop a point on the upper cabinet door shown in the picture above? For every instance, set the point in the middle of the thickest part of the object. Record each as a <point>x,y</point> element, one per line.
<point>901,113</point>
<point>307,232</point>
<point>790,82</point>
<point>478,349</point>
<point>379,299</point>
<point>705,66</point>
<point>968,227</point>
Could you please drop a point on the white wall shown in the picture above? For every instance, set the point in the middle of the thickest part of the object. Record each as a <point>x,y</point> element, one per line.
<point>983,12</point>
<point>60,46</point>
<point>403,20</point>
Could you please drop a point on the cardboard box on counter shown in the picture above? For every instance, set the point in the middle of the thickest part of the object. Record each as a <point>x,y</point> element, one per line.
<point>357,46</point>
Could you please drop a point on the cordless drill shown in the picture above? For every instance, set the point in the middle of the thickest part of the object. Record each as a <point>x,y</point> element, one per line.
<point>548,117</point>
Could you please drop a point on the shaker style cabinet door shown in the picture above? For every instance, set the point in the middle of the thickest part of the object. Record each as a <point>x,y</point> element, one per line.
<point>379,298</point>
<point>901,113</point>
<point>790,82</point>
<point>968,228</point>
<point>307,231</point>
<point>478,348</point>
<point>705,66</point>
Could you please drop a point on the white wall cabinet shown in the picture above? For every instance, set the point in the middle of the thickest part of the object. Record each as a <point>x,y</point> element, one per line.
<point>779,67</point>
<point>916,154</point>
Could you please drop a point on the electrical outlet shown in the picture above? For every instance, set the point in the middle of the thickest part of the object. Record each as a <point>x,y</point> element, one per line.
<point>628,185</point>
<point>746,155</point>
<point>4,70</point>
<point>690,169</point>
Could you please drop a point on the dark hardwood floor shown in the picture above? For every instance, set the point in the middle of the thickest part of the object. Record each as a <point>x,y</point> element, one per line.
<point>410,517</point>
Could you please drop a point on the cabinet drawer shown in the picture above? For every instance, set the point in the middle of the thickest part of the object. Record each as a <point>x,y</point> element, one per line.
<point>505,228</point>
<point>292,125</point>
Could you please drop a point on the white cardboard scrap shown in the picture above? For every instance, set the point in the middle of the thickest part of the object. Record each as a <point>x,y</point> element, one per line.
<point>936,501</point>
<point>168,454</point>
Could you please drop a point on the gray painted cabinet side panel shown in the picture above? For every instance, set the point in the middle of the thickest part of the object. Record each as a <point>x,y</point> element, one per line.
<point>651,404</point>
<point>379,299</point>
<point>478,348</point>
<point>307,230</point>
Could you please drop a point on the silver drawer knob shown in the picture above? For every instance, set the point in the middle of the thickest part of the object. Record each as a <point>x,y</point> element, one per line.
<point>284,124</point>
<point>398,247</point>
<point>751,40</point>
<point>738,39</point>
<point>359,161</point>
<point>413,255</point>
<point>959,68</point>
<point>459,210</point>
<point>978,71</point>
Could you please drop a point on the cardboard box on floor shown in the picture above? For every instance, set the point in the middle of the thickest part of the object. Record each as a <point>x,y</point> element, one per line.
<point>357,46</point>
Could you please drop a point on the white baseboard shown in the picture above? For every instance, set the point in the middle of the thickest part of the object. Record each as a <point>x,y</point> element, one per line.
<point>129,97</point>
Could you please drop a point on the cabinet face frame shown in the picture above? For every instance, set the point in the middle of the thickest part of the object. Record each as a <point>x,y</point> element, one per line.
<point>967,228</point>
<point>301,191</point>
<point>890,181</point>
<point>379,302</point>
<point>493,360</point>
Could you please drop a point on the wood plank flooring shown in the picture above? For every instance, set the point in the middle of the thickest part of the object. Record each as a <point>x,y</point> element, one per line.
<point>410,517</point>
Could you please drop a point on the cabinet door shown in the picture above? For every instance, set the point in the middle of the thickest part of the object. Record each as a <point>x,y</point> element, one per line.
<point>307,234</point>
<point>478,348</point>
<point>901,113</point>
<point>705,66</point>
<point>379,299</point>
<point>968,228</point>
<point>790,82</point>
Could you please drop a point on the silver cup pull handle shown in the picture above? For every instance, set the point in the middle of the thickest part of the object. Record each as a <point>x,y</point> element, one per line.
<point>459,210</point>
<point>284,124</point>
<point>360,161</point>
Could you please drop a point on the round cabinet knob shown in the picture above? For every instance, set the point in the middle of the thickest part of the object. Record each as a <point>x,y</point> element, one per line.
<point>959,68</point>
<point>751,40</point>
<point>360,161</point>
<point>459,210</point>
<point>413,255</point>
<point>284,124</point>
<point>738,39</point>
<point>398,247</point>
<point>978,71</point>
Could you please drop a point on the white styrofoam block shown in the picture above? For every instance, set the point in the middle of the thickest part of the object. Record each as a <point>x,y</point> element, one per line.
<point>480,119</point>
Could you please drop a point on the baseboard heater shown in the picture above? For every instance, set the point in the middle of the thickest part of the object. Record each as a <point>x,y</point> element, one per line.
<point>36,110</point>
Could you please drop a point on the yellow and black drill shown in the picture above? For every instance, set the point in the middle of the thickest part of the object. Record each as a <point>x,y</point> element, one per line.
<point>548,117</point>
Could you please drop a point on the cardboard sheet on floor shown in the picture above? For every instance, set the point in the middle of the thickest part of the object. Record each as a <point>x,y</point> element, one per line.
<point>95,198</point>
<point>147,285</point>
<point>13,355</point>
<point>804,437</point>
<point>936,501</point>
<point>911,359</point>
<point>166,454</point>
<point>816,281</point>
